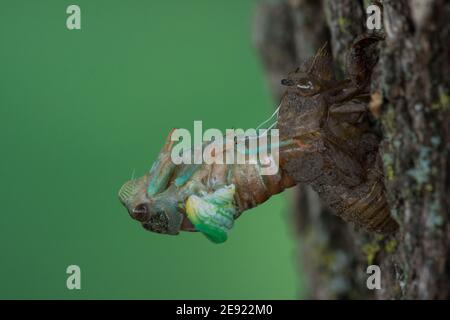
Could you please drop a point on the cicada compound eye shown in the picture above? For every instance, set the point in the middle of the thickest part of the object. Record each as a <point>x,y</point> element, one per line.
<point>140,212</point>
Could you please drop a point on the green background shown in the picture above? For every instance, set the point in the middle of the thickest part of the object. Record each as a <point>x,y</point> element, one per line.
<point>80,110</point>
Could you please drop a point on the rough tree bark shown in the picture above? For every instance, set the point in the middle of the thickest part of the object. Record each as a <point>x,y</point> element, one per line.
<point>411,99</point>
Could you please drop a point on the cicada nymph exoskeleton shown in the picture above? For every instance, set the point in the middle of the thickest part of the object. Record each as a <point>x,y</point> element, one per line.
<point>338,146</point>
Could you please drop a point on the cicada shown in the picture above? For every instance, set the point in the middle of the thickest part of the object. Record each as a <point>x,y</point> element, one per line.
<point>325,141</point>
<point>198,197</point>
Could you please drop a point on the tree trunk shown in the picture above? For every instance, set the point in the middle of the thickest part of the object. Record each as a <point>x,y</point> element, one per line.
<point>410,97</point>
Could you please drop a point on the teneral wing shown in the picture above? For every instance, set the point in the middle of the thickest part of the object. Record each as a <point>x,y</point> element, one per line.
<point>213,214</point>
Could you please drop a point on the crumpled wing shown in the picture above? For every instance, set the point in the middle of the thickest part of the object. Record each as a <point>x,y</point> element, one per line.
<point>213,214</point>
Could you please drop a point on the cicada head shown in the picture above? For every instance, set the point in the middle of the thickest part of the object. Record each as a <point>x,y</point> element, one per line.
<point>313,76</point>
<point>156,213</point>
<point>302,83</point>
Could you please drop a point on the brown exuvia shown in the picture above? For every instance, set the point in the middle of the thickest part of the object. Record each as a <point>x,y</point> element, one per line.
<point>337,150</point>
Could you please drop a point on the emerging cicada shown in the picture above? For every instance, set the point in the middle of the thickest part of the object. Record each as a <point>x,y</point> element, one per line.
<point>325,141</point>
<point>198,197</point>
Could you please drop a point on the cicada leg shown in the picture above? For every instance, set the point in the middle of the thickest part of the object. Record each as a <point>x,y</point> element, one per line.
<point>162,168</point>
<point>362,58</point>
<point>344,92</point>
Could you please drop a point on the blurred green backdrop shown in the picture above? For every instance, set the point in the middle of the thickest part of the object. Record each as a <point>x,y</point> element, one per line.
<point>81,109</point>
